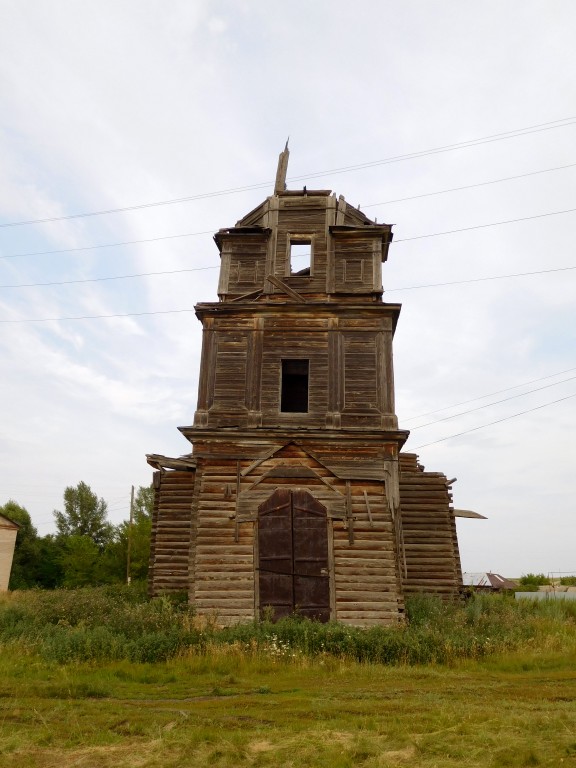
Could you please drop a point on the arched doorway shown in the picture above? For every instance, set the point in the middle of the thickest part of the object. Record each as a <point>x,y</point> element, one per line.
<point>293,555</point>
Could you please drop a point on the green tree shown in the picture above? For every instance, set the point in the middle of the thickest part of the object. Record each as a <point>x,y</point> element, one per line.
<point>143,503</point>
<point>116,553</point>
<point>84,515</point>
<point>36,559</point>
<point>48,570</point>
<point>81,561</point>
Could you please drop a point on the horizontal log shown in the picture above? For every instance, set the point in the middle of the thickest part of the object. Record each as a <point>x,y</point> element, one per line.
<point>360,545</point>
<point>247,574</point>
<point>233,595</point>
<point>343,604</point>
<point>220,603</point>
<point>216,549</point>
<point>208,560</point>
<point>386,577</point>
<point>363,596</point>
<point>348,568</point>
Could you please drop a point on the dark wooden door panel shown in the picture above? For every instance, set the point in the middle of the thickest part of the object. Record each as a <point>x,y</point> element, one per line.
<point>312,597</point>
<point>276,591</point>
<point>293,555</point>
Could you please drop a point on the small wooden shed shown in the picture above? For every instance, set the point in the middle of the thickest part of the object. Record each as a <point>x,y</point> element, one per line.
<point>8,532</point>
<point>296,497</point>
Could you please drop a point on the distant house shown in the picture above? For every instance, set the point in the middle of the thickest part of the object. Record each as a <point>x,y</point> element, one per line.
<point>8,533</point>
<point>488,582</point>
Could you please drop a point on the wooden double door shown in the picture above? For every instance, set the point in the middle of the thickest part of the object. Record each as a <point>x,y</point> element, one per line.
<point>293,556</point>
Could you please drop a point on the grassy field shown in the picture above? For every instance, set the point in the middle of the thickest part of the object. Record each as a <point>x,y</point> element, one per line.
<point>252,703</point>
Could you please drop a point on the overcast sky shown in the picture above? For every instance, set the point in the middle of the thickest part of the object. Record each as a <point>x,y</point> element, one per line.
<point>107,105</point>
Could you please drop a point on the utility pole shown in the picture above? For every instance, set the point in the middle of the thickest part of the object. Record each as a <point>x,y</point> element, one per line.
<point>128,576</point>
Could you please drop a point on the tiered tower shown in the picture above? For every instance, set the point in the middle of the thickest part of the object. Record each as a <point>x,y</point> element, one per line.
<point>290,500</point>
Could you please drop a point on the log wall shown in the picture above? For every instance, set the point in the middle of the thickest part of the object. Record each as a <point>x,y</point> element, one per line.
<point>170,540</point>
<point>429,529</point>
<point>220,509</point>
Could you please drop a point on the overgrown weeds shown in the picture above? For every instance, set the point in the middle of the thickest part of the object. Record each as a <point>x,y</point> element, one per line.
<point>115,623</point>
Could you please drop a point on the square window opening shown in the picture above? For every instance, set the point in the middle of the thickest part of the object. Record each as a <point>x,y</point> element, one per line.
<point>294,389</point>
<point>300,256</point>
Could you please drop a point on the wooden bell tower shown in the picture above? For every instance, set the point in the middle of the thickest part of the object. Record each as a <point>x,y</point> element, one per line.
<point>290,497</point>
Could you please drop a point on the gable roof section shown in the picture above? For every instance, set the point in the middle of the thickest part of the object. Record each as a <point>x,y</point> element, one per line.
<point>5,522</point>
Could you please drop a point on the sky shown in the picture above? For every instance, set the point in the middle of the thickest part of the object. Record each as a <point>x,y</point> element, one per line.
<point>454,121</point>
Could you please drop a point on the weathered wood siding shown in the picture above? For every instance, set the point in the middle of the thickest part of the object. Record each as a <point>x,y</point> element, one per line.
<point>430,542</point>
<point>363,573</point>
<point>223,559</point>
<point>366,564</point>
<point>170,540</point>
<point>324,334</point>
<point>349,349</point>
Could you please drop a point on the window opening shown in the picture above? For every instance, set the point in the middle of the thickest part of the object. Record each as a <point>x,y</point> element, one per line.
<point>294,390</point>
<point>300,256</point>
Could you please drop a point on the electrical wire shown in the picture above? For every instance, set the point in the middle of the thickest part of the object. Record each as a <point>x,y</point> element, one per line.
<point>192,234</point>
<point>496,402</point>
<point>100,317</point>
<point>491,423</point>
<point>470,280</point>
<point>468,186</point>
<point>562,123</point>
<point>217,266</point>
<point>114,277</point>
<point>490,394</point>
<point>198,269</point>
<point>483,226</point>
<point>107,245</point>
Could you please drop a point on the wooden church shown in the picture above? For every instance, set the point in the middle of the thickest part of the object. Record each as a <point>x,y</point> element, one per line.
<point>296,496</point>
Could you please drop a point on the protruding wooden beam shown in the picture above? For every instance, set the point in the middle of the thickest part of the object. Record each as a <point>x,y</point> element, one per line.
<point>280,184</point>
<point>281,285</point>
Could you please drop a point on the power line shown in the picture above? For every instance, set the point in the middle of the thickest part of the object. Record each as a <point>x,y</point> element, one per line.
<point>468,186</point>
<point>193,234</point>
<point>470,280</point>
<point>491,423</point>
<point>198,269</point>
<point>497,402</point>
<point>490,394</point>
<point>562,123</point>
<point>108,245</point>
<point>100,317</point>
<point>216,266</point>
<point>113,277</point>
<point>482,226</point>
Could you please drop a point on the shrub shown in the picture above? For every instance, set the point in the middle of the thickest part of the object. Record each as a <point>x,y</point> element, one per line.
<point>111,623</point>
<point>534,580</point>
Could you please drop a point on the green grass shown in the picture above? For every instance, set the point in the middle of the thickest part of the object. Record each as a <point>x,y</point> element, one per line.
<point>224,709</point>
<point>103,678</point>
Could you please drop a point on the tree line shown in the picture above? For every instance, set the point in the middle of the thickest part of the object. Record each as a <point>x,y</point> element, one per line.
<point>87,549</point>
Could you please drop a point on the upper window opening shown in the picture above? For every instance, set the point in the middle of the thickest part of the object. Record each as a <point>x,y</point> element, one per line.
<point>294,389</point>
<point>300,256</point>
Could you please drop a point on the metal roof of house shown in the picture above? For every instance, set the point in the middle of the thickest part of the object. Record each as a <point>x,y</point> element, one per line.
<point>489,580</point>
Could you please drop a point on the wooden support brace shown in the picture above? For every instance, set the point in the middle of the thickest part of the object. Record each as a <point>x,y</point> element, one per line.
<point>259,461</point>
<point>368,508</point>
<point>281,285</point>
<point>236,521</point>
<point>349,514</point>
<point>247,296</point>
